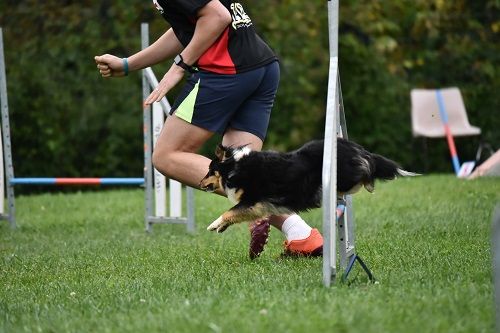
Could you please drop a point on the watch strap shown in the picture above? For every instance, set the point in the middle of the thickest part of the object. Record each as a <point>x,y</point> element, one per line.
<point>180,62</point>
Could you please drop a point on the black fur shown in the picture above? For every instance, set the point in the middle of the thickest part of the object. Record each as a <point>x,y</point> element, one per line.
<point>291,182</point>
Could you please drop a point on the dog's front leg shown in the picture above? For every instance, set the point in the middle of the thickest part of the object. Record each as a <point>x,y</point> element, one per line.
<point>216,224</point>
<point>238,214</point>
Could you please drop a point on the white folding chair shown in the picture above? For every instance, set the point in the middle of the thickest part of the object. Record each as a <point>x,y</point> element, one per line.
<point>437,113</point>
<point>425,118</point>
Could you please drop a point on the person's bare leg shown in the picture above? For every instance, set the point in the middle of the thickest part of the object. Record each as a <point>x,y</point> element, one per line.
<point>234,137</point>
<point>175,152</point>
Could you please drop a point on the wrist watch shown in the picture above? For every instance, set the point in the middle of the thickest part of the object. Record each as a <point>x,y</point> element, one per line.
<point>180,62</point>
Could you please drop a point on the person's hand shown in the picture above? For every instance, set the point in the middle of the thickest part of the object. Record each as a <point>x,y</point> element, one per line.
<point>170,80</point>
<point>109,65</point>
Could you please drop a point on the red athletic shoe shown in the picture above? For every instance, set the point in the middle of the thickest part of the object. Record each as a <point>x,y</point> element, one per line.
<point>259,234</point>
<point>311,246</point>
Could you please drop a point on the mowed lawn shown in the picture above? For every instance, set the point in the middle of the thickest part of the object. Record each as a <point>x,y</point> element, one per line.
<point>82,262</point>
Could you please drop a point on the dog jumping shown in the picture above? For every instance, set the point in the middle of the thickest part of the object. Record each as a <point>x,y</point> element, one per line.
<point>264,183</point>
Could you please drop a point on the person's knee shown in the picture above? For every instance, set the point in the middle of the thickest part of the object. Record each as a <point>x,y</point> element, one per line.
<point>162,160</point>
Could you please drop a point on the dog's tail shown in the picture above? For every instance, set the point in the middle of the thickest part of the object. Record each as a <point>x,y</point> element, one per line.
<point>382,168</point>
<point>386,169</point>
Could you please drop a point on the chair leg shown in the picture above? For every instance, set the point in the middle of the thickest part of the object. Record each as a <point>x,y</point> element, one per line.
<point>420,154</point>
<point>425,149</point>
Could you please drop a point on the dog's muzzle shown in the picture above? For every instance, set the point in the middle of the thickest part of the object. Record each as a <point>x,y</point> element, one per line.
<point>210,183</point>
<point>207,188</point>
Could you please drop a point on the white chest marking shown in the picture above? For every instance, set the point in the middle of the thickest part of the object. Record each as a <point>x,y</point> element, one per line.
<point>238,154</point>
<point>231,195</point>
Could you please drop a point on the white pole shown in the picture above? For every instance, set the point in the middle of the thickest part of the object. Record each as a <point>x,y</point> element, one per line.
<point>159,179</point>
<point>5,117</point>
<point>175,198</point>
<point>2,173</point>
<point>330,152</point>
<point>175,195</point>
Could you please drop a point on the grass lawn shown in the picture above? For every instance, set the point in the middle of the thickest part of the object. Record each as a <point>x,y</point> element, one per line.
<point>82,263</point>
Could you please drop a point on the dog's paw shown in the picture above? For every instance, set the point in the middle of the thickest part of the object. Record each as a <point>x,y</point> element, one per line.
<point>222,227</point>
<point>215,225</point>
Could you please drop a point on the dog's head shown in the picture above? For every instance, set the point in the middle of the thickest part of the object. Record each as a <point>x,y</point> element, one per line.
<point>221,166</point>
<point>213,179</point>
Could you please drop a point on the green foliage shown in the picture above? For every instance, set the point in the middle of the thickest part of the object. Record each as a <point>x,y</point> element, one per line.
<point>65,119</point>
<point>296,31</point>
<point>96,270</point>
<point>61,110</point>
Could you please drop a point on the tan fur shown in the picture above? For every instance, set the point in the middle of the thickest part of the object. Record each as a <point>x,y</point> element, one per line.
<point>245,214</point>
<point>219,153</point>
<point>214,180</point>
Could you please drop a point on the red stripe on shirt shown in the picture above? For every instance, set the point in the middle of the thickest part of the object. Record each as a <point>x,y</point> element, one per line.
<point>217,58</point>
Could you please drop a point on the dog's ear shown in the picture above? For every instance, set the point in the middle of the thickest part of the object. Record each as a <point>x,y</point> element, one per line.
<point>220,151</point>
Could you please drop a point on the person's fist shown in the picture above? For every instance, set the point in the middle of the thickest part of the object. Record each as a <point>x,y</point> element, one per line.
<point>109,65</point>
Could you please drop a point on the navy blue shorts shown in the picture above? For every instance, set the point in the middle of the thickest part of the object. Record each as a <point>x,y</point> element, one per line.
<point>241,101</point>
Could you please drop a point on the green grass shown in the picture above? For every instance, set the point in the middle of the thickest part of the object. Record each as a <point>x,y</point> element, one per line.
<point>83,263</point>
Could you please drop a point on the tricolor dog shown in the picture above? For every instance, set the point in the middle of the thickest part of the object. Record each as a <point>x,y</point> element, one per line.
<point>263,183</point>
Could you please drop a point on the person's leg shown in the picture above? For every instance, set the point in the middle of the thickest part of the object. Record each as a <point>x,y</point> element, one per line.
<point>233,137</point>
<point>175,152</point>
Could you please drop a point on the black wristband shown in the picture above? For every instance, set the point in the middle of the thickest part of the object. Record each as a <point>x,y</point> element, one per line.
<point>180,62</point>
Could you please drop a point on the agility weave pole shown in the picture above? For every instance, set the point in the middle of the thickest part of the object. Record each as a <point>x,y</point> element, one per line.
<point>337,217</point>
<point>7,170</point>
<point>156,215</point>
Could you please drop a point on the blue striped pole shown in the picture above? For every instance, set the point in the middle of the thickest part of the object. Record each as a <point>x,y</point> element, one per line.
<point>76,181</point>
<point>447,131</point>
